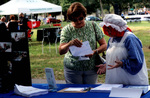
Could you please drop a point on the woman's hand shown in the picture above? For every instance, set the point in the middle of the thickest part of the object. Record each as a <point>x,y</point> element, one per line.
<point>75,42</point>
<point>90,55</point>
<point>118,64</point>
<point>101,69</point>
<point>64,47</point>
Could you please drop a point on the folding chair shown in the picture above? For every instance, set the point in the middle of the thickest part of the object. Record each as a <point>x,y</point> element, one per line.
<point>31,33</point>
<point>46,34</point>
<point>57,36</point>
<point>30,39</point>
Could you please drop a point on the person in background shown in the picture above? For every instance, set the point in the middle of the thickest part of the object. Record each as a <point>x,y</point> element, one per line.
<point>3,27</point>
<point>125,61</point>
<point>144,9</point>
<point>12,25</point>
<point>3,19</point>
<point>3,30</point>
<point>80,71</point>
<point>23,23</point>
<point>122,15</point>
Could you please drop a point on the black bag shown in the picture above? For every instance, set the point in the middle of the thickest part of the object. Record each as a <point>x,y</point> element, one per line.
<point>104,56</point>
<point>98,58</point>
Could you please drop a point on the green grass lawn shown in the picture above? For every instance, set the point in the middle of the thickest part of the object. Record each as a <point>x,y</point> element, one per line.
<point>39,61</point>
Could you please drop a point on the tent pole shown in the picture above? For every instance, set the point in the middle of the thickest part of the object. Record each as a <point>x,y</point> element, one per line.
<point>61,19</point>
<point>31,21</point>
<point>18,22</point>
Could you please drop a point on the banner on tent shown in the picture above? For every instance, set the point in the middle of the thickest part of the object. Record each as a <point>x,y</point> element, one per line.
<point>38,10</point>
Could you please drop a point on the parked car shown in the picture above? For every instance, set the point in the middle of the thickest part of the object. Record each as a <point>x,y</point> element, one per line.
<point>131,13</point>
<point>53,20</point>
<point>142,13</point>
<point>92,18</point>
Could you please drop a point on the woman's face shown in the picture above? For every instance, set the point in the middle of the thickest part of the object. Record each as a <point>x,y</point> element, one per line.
<point>107,31</point>
<point>111,32</point>
<point>78,22</point>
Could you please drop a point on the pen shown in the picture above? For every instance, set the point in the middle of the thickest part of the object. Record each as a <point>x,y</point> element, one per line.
<point>87,89</point>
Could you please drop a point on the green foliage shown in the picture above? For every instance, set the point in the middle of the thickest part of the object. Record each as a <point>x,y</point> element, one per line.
<point>119,6</point>
<point>142,3</point>
<point>87,3</point>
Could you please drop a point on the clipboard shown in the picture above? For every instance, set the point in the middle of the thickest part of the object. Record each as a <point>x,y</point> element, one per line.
<point>80,91</point>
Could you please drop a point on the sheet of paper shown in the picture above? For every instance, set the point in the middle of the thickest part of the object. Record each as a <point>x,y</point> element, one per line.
<point>84,58</point>
<point>106,87</point>
<point>145,88</point>
<point>126,92</point>
<point>81,51</point>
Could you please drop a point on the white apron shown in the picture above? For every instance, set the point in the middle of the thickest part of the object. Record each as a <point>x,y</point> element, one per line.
<point>117,51</point>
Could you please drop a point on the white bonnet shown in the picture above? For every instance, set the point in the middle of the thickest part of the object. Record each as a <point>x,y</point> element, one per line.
<point>115,21</point>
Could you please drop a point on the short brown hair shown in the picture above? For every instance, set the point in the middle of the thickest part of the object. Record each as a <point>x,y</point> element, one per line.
<point>75,10</point>
<point>12,17</point>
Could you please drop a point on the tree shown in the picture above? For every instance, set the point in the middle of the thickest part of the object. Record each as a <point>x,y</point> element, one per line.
<point>100,1</point>
<point>118,5</point>
<point>93,5</point>
<point>65,5</point>
<point>142,3</point>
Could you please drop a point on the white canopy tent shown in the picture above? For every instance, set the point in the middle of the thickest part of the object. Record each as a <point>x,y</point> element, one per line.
<point>29,7</point>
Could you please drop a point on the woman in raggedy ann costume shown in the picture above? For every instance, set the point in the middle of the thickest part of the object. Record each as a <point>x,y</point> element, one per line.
<point>125,61</point>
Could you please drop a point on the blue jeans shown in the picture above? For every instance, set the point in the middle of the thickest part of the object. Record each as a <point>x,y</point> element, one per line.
<point>80,77</point>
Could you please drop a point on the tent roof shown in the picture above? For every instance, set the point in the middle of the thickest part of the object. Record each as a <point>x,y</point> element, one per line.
<point>28,6</point>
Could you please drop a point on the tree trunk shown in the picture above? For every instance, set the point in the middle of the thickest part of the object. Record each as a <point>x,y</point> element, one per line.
<point>117,9</point>
<point>102,13</point>
<point>65,15</point>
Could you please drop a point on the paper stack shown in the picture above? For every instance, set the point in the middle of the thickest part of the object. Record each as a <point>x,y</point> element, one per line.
<point>28,91</point>
<point>106,87</point>
<point>145,88</point>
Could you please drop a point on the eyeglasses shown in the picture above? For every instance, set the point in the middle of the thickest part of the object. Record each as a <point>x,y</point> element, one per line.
<point>79,19</point>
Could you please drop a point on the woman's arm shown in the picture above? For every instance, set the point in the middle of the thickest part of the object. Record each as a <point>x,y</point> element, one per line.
<point>63,48</point>
<point>134,62</point>
<point>103,45</point>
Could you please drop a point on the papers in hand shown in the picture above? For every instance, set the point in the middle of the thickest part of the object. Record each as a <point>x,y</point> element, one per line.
<point>81,51</point>
<point>106,87</point>
<point>28,91</point>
